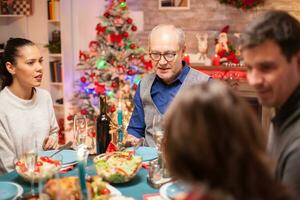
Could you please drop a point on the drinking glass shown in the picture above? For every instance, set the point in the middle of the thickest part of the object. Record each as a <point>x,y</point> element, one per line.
<point>30,155</point>
<point>80,129</point>
<point>158,131</point>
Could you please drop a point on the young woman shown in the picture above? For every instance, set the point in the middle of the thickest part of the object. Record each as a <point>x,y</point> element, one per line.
<point>26,113</point>
<point>213,142</point>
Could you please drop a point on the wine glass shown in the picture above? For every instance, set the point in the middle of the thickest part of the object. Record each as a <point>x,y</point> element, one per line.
<point>30,156</point>
<point>80,129</point>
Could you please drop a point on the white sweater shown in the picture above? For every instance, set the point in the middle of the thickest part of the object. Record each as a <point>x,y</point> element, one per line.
<point>21,121</point>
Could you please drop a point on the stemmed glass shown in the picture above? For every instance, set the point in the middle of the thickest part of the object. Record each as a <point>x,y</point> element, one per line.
<point>30,155</point>
<point>80,129</point>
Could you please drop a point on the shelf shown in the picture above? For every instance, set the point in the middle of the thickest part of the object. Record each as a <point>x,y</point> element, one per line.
<point>57,84</point>
<point>11,16</point>
<point>58,106</point>
<point>197,66</point>
<point>53,21</point>
<point>55,55</point>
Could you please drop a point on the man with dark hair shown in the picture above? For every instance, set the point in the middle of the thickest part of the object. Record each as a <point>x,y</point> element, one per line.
<point>271,51</point>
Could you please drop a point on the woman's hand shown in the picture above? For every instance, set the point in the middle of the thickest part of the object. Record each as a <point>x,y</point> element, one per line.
<point>51,142</point>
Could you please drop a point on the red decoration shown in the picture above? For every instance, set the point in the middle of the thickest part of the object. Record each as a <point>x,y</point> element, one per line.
<point>111,148</point>
<point>132,46</point>
<point>106,14</point>
<point>99,88</point>
<point>129,20</point>
<point>216,60</point>
<point>100,29</point>
<point>113,109</point>
<point>130,72</point>
<point>122,1</point>
<point>125,34</point>
<point>114,85</point>
<point>83,79</point>
<point>134,28</point>
<point>147,65</point>
<point>83,56</point>
<point>244,4</point>
<point>83,111</point>
<point>186,59</point>
<point>70,117</point>
<point>134,87</point>
<point>115,38</point>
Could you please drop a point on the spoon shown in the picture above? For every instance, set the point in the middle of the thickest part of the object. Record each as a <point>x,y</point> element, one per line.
<point>65,146</point>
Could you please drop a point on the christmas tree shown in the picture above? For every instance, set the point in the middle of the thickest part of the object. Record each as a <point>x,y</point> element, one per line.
<point>113,66</point>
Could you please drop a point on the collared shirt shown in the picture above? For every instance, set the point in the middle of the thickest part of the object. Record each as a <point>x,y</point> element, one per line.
<point>162,95</point>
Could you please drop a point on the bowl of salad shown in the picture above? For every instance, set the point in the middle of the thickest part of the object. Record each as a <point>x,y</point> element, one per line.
<point>37,168</point>
<point>117,167</point>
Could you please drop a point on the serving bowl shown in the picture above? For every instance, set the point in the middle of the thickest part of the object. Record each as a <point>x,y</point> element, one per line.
<point>117,167</point>
<point>44,169</point>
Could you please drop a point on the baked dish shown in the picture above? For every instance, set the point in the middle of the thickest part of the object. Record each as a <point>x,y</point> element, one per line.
<point>69,188</point>
<point>117,167</point>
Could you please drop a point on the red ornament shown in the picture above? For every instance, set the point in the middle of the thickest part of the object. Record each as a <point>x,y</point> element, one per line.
<point>99,89</point>
<point>122,1</point>
<point>132,46</point>
<point>106,14</point>
<point>114,85</point>
<point>100,29</point>
<point>92,75</point>
<point>83,112</point>
<point>112,109</point>
<point>115,38</point>
<point>70,117</point>
<point>125,34</point>
<point>147,65</point>
<point>83,79</point>
<point>134,87</point>
<point>130,72</point>
<point>129,20</point>
<point>134,28</point>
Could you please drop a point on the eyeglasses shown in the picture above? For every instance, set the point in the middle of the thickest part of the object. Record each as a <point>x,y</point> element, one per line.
<point>168,56</point>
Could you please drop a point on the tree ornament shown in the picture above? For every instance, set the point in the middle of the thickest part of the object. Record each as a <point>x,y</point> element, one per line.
<point>123,5</point>
<point>83,79</point>
<point>129,20</point>
<point>83,111</point>
<point>114,85</point>
<point>132,46</point>
<point>106,14</point>
<point>134,28</point>
<point>125,34</point>
<point>70,117</point>
<point>101,63</point>
<point>112,109</point>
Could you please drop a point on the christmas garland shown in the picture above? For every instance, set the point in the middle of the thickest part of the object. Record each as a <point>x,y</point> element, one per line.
<point>244,4</point>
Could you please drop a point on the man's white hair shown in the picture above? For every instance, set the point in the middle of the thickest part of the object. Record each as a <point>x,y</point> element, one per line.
<point>179,31</point>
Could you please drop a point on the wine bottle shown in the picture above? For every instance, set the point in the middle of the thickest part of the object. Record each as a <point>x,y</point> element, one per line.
<point>103,137</point>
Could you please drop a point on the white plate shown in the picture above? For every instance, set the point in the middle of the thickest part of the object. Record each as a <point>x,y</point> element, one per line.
<point>169,190</point>
<point>114,191</point>
<point>10,190</point>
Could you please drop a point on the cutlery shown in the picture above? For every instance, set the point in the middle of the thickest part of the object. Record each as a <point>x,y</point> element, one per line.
<point>65,146</point>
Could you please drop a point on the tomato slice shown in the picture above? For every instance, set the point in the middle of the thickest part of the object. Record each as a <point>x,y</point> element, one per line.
<point>105,191</point>
<point>39,163</point>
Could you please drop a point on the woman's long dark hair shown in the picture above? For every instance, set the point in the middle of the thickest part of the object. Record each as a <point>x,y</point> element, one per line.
<point>10,54</point>
<point>213,137</point>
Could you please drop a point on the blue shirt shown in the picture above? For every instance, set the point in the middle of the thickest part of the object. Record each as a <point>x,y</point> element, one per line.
<point>162,94</point>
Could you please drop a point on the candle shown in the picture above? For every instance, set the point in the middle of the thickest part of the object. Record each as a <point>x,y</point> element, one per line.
<point>216,60</point>
<point>82,154</point>
<point>120,122</point>
<point>186,59</point>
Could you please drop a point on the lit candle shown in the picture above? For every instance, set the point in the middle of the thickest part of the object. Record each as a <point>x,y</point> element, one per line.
<point>82,154</point>
<point>216,60</point>
<point>186,59</point>
<point>120,122</point>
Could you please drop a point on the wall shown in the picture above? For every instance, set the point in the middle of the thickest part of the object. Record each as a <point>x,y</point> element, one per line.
<point>205,15</point>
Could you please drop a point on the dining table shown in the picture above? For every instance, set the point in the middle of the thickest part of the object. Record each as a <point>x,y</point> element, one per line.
<point>135,188</point>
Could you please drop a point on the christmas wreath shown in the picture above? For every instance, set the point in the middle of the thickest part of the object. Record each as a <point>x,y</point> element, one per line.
<point>244,4</point>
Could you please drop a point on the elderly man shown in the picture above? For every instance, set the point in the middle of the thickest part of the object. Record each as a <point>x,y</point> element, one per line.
<point>271,51</point>
<point>156,90</point>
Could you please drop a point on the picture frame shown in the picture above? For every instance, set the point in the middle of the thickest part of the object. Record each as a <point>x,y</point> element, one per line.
<point>173,4</point>
<point>16,7</point>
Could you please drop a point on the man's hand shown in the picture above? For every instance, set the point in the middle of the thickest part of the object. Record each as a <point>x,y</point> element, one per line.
<point>51,142</point>
<point>131,140</point>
